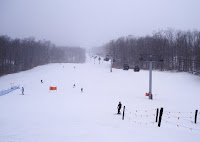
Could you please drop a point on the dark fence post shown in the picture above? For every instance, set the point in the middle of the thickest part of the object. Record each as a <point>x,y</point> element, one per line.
<point>157,114</point>
<point>195,118</point>
<point>123,113</point>
<point>160,116</point>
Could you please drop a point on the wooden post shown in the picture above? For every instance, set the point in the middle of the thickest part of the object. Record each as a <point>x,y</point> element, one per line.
<point>160,116</point>
<point>123,113</point>
<point>157,114</point>
<point>195,118</point>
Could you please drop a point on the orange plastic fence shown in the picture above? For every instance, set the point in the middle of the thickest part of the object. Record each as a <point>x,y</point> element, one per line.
<point>52,88</point>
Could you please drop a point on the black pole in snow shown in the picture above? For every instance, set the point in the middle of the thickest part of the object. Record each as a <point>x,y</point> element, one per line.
<point>123,113</point>
<point>195,118</point>
<point>157,114</point>
<point>160,116</point>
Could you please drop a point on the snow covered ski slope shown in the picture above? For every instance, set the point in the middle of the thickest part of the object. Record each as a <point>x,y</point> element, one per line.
<point>69,115</point>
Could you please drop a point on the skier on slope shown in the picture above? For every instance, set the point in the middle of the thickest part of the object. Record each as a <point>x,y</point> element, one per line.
<point>119,107</point>
<point>22,90</point>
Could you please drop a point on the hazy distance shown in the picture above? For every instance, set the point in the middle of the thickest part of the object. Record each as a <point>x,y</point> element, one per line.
<point>91,23</point>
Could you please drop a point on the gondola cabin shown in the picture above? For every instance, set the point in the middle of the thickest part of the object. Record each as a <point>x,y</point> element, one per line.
<point>106,59</point>
<point>126,67</point>
<point>136,69</point>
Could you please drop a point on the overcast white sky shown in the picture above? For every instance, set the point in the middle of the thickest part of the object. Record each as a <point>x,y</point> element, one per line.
<point>90,23</point>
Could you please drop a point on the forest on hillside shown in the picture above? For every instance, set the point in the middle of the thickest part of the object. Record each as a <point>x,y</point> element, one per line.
<point>23,54</point>
<point>179,50</point>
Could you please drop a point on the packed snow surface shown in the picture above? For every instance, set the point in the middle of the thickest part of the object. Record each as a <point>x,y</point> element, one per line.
<point>69,115</point>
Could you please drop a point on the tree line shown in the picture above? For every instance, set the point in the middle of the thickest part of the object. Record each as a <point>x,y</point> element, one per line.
<point>179,50</point>
<point>23,54</point>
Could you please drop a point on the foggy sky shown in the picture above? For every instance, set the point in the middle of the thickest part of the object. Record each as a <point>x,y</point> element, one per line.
<point>89,23</point>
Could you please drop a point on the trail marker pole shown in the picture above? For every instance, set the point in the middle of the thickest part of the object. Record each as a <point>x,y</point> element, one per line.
<point>123,113</point>
<point>195,118</point>
<point>157,114</point>
<point>160,117</point>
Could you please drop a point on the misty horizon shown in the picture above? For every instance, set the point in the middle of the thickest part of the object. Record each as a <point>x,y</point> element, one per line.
<point>92,23</point>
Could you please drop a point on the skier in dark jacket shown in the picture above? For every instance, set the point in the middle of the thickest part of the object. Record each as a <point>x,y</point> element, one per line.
<point>119,107</point>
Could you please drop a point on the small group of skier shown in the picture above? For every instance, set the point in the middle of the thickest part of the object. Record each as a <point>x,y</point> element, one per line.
<point>118,107</point>
<point>81,88</point>
<point>23,88</point>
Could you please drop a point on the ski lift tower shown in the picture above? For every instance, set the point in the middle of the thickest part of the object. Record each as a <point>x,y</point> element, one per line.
<point>150,59</point>
<point>95,58</point>
<point>99,59</point>
<point>109,56</point>
<point>111,61</point>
